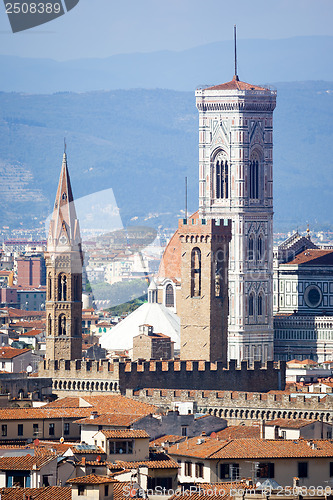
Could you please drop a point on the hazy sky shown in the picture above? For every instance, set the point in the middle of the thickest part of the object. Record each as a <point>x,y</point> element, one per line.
<point>100,28</point>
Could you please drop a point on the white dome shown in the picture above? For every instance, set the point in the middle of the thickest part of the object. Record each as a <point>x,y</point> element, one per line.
<point>120,337</point>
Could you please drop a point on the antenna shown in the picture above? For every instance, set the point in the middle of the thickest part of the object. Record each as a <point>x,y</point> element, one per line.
<point>185,198</point>
<point>65,145</point>
<point>235,46</point>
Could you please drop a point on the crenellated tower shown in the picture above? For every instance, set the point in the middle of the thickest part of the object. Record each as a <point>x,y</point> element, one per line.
<point>236,182</point>
<point>64,260</point>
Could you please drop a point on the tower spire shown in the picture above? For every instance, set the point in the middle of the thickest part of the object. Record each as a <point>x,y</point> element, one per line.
<point>235,53</point>
<point>64,226</point>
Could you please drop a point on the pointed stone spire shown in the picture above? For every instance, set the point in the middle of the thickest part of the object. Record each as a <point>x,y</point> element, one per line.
<point>64,232</point>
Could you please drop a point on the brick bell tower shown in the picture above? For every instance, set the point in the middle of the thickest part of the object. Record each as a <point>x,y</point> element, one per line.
<point>203,304</point>
<point>64,260</point>
<point>236,182</point>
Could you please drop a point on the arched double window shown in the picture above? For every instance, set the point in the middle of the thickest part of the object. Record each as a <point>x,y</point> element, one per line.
<point>221,170</point>
<point>62,287</point>
<point>251,304</point>
<point>62,325</point>
<point>260,304</point>
<point>250,253</point>
<point>195,273</point>
<point>260,247</point>
<point>254,177</point>
<point>169,296</point>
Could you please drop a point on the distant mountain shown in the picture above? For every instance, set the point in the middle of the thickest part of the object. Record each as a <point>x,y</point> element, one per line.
<point>142,143</point>
<point>260,61</point>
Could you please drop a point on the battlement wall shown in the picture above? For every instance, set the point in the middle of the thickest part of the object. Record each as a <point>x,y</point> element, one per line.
<point>190,375</point>
<point>238,407</point>
<point>202,375</point>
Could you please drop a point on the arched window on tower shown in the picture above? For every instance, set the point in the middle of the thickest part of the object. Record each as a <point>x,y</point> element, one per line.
<point>251,304</point>
<point>218,265</point>
<point>169,296</point>
<point>250,254</point>
<point>195,273</point>
<point>62,287</point>
<point>62,325</point>
<point>260,304</point>
<point>254,177</point>
<point>49,325</point>
<point>221,169</point>
<point>49,287</point>
<point>260,247</point>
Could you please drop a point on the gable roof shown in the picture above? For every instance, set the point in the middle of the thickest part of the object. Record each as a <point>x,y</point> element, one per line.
<point>114,403</point>
<point>252,448</point>
<point>26,462</point>
<point>116,420</point>
<point>45,493</point>
<point>7,352</point>
<point>126,433</point>
<point>289,423</point>
<point>92,479</point>
<point>313,257</point>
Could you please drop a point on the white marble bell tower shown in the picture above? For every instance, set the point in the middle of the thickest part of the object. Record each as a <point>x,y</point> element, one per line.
<point>236,182</point>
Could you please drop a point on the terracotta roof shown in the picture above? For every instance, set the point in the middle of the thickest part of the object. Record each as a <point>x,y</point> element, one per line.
<point>126,433</point>
<point>238,432</point>
<point>92,479</point>
<point>169,438</point>
<point>7,352</point>
<point>116,404</point>
<point>115,420</point>
<point>30,333</point>
<point>26,462</point>
<point>121,490</point>
<point>86,451</point>
<point>20,313</point>
<point>252,448</point>
<point>289,423</point>
<point>46,493</point>
<point>42,413</point>
<point>28,324</point>
<point>235,84</point>
<point>218,491</point>
<point>155,461</point>
<point>313,257</point>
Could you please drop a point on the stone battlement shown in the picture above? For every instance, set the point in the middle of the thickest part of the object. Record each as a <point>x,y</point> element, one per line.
<point>191,375</point>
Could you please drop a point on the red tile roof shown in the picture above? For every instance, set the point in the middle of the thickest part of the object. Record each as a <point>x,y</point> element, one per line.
<point>126,433</point>
<point>238,432</point>
<point>313,257</point>
<point>217,491</point>
<point>92,479</point>
<point>235,84</point>
<point>171,439</point>
<point>289,423</point>
<point>46,493</point>
<point>30,333</point>
<point>42,413</point>
<point>114,420</point>
<point>252,448</point>
<point>7,352</point>
<point>26,462</point>
<point>105,404</point>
